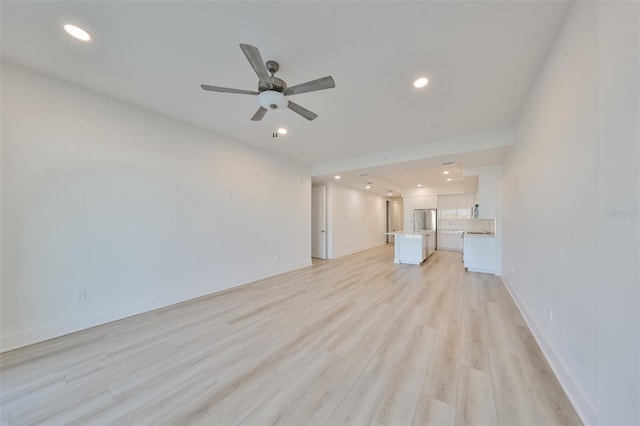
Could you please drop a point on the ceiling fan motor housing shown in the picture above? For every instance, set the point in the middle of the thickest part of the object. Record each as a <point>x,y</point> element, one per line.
<point>275,83</point>
<point>270,99</point>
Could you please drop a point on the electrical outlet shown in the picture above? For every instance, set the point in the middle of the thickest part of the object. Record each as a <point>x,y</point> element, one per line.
<point>550,315</point>
<point>81,294</point>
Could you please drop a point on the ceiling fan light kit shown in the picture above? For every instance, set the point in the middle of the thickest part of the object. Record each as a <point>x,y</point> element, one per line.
<point>270,99</point>
<point>273,91</point>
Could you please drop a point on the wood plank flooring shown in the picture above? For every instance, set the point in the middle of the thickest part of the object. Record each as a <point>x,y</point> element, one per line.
<point>356,340</point>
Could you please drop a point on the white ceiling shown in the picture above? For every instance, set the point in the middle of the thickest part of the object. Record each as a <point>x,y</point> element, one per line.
<point>481,59</point>
<point>428,172</point>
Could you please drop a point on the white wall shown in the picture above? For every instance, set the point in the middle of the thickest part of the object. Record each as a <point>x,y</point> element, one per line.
<point>574,163</point>
<point>355,220</point>
<point>141,210</point>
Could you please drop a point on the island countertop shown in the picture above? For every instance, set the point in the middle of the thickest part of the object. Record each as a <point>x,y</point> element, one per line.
<point>410,233</point>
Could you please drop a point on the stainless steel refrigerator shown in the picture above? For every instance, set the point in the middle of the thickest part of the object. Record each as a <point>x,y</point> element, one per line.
<point>425,220</point>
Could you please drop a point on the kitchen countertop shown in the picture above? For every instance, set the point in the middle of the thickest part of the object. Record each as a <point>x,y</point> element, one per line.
<point>410,232</point>
<point>479,235</point>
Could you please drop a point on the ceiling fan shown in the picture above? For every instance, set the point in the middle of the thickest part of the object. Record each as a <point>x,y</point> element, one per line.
<point>273,91</point>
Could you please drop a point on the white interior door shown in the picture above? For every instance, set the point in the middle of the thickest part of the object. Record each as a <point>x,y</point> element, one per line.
<point>319,222</point>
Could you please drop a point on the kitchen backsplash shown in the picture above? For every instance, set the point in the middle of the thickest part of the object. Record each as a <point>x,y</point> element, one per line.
<point>473,225</point>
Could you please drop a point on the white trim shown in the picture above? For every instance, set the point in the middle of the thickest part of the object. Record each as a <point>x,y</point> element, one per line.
<point>356,250</point>
<point>51,331</point>
<point>572,389</point>
<point>482,271</point>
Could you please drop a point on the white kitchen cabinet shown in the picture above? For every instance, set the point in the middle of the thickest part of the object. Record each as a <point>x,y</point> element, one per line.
<point>449,240</point>
<point>456,206</point>
<point>431,243</point>
<point>462,210</point>
<point>443,240</point>
<point>458,241</point>
<point>443,207</point>
<point>413,247</point>
<point>471,201</point>
<point>415,203</point>
<point>426,202</point>
<point>479,253</point>
<point>447,207</point>
<point>487,196</point>
<point>431,202</point>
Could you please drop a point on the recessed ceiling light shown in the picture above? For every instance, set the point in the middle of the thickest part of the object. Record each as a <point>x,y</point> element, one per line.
<point>390,193</point>
<point>419,185</point>
<point>77,32</point>
<point>446,172</point>
<point>368,186</point>
<point>336,177</point>
<point>282,131</point>
<point>421,82</point>
<point>449,179</point>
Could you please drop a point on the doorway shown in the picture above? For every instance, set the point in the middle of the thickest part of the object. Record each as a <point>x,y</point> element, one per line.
<point>394,217</point>
<point>319,222</point>
<point>388,227</point>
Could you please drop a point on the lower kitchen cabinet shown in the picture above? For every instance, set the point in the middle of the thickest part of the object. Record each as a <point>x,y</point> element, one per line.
<point>450,240</point>
<point>479,253</point>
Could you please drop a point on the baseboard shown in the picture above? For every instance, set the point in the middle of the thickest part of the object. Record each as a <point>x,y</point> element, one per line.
<point>356,250</point>
<point>579,400</point>
<point>483,271</point>
<point>50,331</point>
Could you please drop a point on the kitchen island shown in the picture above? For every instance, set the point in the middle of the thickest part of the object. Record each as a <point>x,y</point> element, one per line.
<point>413,247</point>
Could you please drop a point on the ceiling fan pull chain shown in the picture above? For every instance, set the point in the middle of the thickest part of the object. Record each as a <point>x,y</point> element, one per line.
<point>275,123</point>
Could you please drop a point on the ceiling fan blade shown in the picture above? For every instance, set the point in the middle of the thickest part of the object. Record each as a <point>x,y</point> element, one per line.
<point>311,86</point>
<point>253,55</point>
<point>259,114</point>
<point>302,111</point>
<point>227,90</point>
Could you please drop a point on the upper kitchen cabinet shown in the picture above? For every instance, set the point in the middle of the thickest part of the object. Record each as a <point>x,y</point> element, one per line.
<point>471,201</point>
<point>413,203</point>
<point>464,207</point>
<point>426,202</point>
<point>487,196</point>
<point>461,209</point>
<point>455,206</point>
<point>446,207</point>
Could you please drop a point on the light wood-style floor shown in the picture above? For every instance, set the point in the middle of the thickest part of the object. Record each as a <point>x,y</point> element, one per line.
<point>356,340</point>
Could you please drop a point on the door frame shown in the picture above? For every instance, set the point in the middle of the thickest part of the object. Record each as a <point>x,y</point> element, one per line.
<point>388,222</point>
<point>323,212</point>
